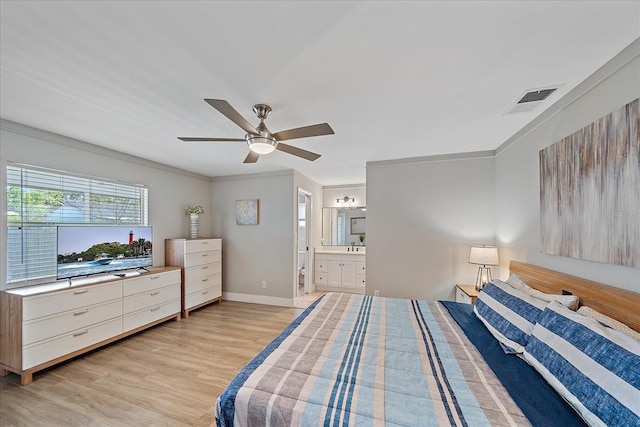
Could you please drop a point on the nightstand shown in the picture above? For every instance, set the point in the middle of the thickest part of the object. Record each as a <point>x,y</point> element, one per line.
<point>466,293</point>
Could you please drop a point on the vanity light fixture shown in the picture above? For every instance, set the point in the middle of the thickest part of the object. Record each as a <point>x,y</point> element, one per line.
<point>483,256</point>
<point>346,199</point>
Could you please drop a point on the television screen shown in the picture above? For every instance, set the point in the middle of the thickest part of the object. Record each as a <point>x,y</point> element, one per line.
<point>90,249</point>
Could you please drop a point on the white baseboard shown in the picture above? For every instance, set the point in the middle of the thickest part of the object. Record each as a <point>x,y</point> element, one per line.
<point>258,299</point>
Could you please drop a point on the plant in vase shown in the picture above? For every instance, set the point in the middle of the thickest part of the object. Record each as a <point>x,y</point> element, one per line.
<point>361,238</point>
<point>193,212</point>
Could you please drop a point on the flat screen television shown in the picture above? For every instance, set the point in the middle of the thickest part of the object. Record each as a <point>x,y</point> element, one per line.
<point>85,250</point>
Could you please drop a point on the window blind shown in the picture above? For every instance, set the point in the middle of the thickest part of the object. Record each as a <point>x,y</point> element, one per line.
<point>40,199</point>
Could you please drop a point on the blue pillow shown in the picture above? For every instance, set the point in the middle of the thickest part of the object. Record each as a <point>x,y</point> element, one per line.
<point>594,368</point>
<point>509,314</point>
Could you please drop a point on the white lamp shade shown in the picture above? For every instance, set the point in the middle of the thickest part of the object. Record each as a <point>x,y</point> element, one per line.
<point>483,255</point>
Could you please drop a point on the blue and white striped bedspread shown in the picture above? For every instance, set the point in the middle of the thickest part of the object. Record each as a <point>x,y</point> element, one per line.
<point>358,360</point>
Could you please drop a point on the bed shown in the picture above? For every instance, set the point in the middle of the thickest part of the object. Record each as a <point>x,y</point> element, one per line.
<point>361,360</point>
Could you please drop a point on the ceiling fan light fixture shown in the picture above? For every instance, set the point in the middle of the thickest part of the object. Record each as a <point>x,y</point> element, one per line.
<point>261,145</point>
<point>259,139</point>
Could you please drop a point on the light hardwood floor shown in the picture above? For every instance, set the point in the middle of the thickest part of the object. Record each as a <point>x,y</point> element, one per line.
<point>169,375</point>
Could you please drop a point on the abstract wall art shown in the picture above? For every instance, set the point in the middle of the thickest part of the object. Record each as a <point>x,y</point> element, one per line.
<point>590,191</point>
<point>248,212</point>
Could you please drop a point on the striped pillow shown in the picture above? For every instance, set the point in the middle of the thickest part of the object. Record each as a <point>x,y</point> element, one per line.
<point>508,313</point>
<point>610,322</point>
<point>595,368</point>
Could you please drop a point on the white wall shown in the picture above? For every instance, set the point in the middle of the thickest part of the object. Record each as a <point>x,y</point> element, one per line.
<point>517,182</point>
<point>264,252</point>
<point>170,189</point>
<point>333,192</point>
<point>423,215</point>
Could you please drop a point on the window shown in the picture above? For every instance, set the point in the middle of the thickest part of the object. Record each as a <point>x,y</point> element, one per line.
<point>39,199</point>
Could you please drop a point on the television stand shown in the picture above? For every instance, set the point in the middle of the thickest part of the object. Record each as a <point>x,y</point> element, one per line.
<point>41,327</point>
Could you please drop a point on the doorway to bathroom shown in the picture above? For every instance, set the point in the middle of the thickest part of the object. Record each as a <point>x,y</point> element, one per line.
<point>304,230</point>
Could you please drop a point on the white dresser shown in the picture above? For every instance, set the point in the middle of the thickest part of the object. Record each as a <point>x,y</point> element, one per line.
<point>340,271</point>
<point>44,325</point>
<point>201,262</point>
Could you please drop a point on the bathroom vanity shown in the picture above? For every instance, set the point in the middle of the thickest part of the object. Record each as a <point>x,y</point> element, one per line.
<point>340,269</point>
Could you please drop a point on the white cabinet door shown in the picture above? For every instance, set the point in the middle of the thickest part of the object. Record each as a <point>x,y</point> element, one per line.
<point>335,273</point>
<point>349,274</point>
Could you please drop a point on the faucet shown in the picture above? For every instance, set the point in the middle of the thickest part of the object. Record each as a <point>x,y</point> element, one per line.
<point>352,245</point>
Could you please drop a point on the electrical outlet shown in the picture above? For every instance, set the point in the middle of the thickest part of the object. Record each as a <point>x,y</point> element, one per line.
<point>376,293</point>
<point>264,284</point>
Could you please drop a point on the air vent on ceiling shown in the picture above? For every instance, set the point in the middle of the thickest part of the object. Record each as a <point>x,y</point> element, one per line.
<point>536,95</point>
<point>530,99</point>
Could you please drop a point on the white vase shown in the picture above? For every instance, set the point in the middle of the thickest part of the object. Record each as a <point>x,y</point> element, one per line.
<point>193,226</point>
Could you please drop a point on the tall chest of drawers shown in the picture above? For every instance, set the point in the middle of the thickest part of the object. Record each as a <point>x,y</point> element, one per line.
<point>201,262</point>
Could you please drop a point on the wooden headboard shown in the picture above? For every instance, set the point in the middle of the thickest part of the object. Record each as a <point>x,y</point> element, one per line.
<point>618,303</point>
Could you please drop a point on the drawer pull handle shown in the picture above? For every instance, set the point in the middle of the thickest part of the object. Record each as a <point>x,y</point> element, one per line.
<point>80,333</point>
<point>155,293</point>
<point>205,267</point>
<point>205,254</point>
<point>205,242</point>
<point>154,277</point>
<point>83,291</point>
<point>205,280</point>
<point>81,312</point>
<point>155,309</point>
<point>205,292</point>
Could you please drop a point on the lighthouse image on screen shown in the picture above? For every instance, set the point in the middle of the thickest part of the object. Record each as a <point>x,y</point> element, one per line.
<point>87,250</point>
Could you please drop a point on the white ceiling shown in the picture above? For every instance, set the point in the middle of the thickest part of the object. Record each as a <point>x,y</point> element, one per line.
<point>394,79</point>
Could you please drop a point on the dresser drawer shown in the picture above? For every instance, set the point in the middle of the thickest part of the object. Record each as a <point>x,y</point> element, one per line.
<point>150,299</point>
<point>321,278</point>
<point>51,326</point>
<point>37,306</point>
<point>151,314</point>
<point>203,245</point>
<point>61,345</point>
<point>462,297</point>
<point>202,258</point>
<point>194,274</point>
<point>149,282</point>
<point>202,283</point>
<point>202,296</point>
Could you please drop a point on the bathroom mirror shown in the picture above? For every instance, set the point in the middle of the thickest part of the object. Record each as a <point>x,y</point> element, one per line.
<point>342,226</point>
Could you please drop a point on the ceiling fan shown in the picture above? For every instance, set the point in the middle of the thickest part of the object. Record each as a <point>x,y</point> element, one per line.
<point>259,139</point>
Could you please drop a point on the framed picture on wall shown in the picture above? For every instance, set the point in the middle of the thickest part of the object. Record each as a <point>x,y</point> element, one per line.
<point>248,212</point>
<point>358,225</point>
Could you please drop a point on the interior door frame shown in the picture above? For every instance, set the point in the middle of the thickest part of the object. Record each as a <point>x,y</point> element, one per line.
<point>308,237</point>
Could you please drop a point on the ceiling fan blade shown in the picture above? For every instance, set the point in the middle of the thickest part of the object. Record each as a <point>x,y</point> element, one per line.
<point>225,108</point>
<point>304,132</point>
<point>251,157</point>
<point>190,139</point>
<point>308,155</point>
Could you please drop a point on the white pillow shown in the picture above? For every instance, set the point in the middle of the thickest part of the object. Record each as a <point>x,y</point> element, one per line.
<point>569,301</point>
<point>516,282</point>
